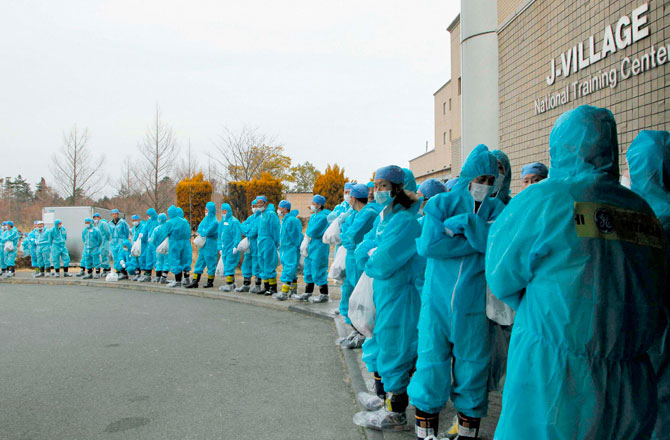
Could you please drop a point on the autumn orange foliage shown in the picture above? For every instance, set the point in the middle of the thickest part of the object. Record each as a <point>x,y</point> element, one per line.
<point>192,195</point>
<point>330,184</point>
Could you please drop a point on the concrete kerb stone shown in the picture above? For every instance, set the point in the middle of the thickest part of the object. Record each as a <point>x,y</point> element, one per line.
<point>351,361</point>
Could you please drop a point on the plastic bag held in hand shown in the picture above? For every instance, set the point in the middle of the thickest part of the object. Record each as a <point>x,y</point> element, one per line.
<point>301,265</point>
<point>362,312</point>
<point>136,250</point>
<point>244,245</point>
<point>9,246</point>
<point>112,276</point>
<point>304,246</point>
<point>164,247</point>
<point>338,268</point>
<point>200,241</point>
<point>332,234</point>
<point>497,311</point>
<point>219,268</point>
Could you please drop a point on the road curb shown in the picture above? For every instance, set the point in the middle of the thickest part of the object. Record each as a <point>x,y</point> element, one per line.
<point>354,371</point>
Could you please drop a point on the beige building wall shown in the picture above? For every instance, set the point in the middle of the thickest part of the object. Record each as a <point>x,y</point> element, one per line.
<point>542,31</point>
<point>507,8</point>
<point>437,163</point>
<point>301,202</point>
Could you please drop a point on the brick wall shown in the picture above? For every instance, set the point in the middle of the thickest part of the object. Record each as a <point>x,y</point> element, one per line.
<point>301,202</point>
<point>542,32</point>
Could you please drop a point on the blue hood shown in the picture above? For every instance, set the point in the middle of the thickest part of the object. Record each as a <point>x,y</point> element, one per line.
<point>229,212</point>
<point>173,212</point>
<point>649,164</point>
<point>503,193</point>
<point>584,141</point>
<point>151,212</point>
<point>211,209</point>
<point>480,162</point>
<point>162,218</point>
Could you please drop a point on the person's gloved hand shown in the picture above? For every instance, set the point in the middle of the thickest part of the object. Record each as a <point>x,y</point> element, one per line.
<point>123,264</point>
<point>235,251</point>
<point>456,224</point>
<point>141,235</point>
<point>371,251</point>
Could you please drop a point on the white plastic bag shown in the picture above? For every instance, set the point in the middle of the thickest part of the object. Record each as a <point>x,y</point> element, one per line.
<point>304,246</point>
<point>219,268</point>
<point>362,312</point>
<point>136,250</point>
<point>338,268</point>
<point>332,234</point>
<point>21,248</point>
<point>164,247</point>
<point>199,241</point>
<point>244,245</point>
<point>497,311</point>
<point>112,276</point>
<point>9,246</point>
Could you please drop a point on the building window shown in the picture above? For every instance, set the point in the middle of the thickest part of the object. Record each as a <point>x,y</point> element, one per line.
<point>444,137</point>
<point>459,87</point>
<point>449,104</point>
<point>444,108</point>
<point>450,135</point>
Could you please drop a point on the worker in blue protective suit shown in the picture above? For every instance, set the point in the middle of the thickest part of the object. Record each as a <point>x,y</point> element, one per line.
<point>133,265</point>
<point>3,265</point>
<point>289,249</point>
<point>391,352</point>
<point>316,260</point>
<point>92,239</point>
<point>371,191</point>
<point>533,173</point>
<point>32,249</point>
<point>230,235</point>
<point>147,259</point>
<point>124,254</point>
<point>451,183</point>
<point>208,255</point>
<point>120,231</point>
<point>105,249</point>
<point>649,165</point>
<point>427,190</point>
<point>11,235</point>
<point>187,256</point>
<point>454,345</point>
<point>359,223</point>
<point>180,244</point>
<point>585,273</point>
<point>344,206</point>
<point>501,186</point>
<point>250,265</point>
<point>269,231</point>
<point>43,243</point>
<point>59,252</point>
<point>156,237</point>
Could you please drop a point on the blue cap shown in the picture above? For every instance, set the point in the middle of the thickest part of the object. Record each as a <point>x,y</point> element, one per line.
<point>114,211</point>
<point>431,187</point>
<point>262,199</point>
<point>348,185</point>
<point>285,204</point>
<point>319,200</point>
<point>10,223</point>
<point>253,203</point>
<point>58,222</point>
<point>535,168</point>
<point>392,173</point>
<point>371,185</point>
<point>359,191</point>
<point>451,183</point>
<point>135,217</point>
<point>86,220</point>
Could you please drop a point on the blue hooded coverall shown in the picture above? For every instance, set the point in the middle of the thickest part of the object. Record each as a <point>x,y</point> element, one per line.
<point>649,165</point>
<point>454,345</point>
<point>42,240</point>
<point>269,230</point>
<point>186,255</point>
<point>230,235</point>
<point>106,232</point>
<point>92,239</point>
<point>316,261</point>
<point>179,234</point>
<point>503,193</point>
<point>359,224</point>
<point>209,253</point>
<point>289,246</point>
<point>581,260</point>
<point>392,349</point>
<point>13,236</point>
<point>148,253</point>
<point>59,252</point>
<point>250,265</point>
<point>32,247</point>
<point>157,236</point>
<point>120,232</point>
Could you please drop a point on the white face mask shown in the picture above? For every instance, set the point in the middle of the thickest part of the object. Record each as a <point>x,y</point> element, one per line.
<point>479,192</point>
<point>347,198</point>
<point>261,209</point>
<point>135,223</point>
<point>312,208</point>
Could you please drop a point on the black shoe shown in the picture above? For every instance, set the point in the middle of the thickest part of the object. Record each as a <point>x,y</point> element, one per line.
<point>210,283</point>
<point>193,284</point>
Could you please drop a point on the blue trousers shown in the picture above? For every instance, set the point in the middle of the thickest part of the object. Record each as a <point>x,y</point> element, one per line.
<point>206,259</point>
<point>91,260</point>
<point>117,249</point>
<point>59,253</point>
<point>104,256</point>
<point>43,256</point>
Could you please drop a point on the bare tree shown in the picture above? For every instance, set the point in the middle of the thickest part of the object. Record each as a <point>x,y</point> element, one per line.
<point>126,185</point>
<point>76,172</point>
<point>246,154</point>
<point>190,166</point>
<point>158,151</point>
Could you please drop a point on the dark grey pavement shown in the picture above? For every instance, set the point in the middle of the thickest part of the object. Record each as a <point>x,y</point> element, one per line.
<point>104,363</point>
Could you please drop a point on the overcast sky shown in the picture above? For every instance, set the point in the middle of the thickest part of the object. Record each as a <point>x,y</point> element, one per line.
<point>347,82</point>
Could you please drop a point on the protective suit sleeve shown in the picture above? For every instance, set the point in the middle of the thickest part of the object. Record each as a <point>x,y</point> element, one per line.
<point>276,230</point>
<point>516,241</point>
<point>396,249</point>
<point>212,230</point>
<point>317,226</point>
<point>237,233</point>
<point>473,227</point>
<point>359,228</point>
<point>435,243</point>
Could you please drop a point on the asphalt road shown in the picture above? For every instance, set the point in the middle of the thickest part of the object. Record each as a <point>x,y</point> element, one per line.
<point>100,363</point>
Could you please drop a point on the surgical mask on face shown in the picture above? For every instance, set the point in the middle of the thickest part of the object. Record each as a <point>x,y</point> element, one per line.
<point>312,208</point>
<point>479,191</point>
<point>625,181</point>
<point>135,223</point>
<point>261,209</point>
<point>383,197</point>
<point>88,225</point>
<point>96,221</point>
<point>347,198</point>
